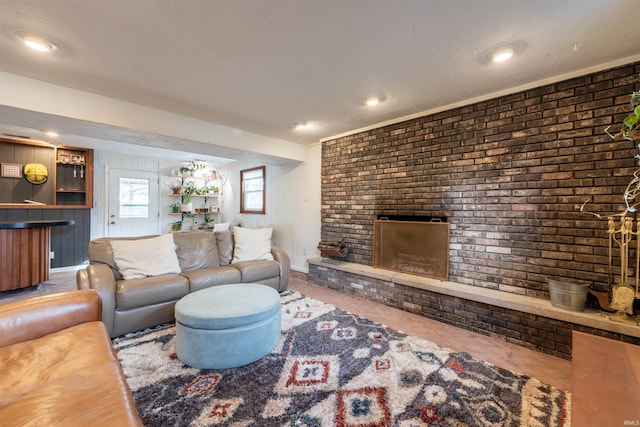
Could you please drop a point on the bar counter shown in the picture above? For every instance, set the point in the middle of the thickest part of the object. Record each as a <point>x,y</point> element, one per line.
<point>24,252</point>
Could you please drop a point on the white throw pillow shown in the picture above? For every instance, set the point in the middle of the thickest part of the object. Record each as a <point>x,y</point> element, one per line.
<point>251,244</point>
<point>140,258</point>
<point>223,226</point>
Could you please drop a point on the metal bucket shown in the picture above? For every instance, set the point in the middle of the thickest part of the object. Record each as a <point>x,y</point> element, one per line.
<point>567,295</point>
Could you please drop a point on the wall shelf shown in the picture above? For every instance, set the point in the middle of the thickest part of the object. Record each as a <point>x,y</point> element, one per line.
<point>69,184</point>
<point>202,203</point>
<point>74,176</point>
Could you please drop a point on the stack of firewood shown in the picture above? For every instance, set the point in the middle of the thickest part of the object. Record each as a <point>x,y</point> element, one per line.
<point>333,247</point>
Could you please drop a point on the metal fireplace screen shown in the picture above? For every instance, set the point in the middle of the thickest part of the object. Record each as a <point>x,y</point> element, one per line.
<point>412,247</point>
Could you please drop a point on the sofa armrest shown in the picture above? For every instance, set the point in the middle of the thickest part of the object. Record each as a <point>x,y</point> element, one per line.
<point>285,267</point>
<point>99,277</point>
<point>36,317</point>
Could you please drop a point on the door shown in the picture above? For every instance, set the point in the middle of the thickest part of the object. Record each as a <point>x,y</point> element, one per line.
<point>132,205</point>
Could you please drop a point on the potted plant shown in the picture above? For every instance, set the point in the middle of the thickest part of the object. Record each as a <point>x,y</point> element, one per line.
<point>207,221</point>
<point>189,190</point>
<point>213,173</point>
<point>210,190</point>
<point>175,187</point>
<point>193,218</point>
<point>176,225</point>
<point>175,208</point>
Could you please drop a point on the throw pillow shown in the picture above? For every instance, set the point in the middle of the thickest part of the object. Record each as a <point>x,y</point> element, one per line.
<point>251,244</point>
<point>223,226</point>
<point>140,258</point>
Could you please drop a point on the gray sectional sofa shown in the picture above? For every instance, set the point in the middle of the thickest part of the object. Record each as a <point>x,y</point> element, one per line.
<point>205,260</point>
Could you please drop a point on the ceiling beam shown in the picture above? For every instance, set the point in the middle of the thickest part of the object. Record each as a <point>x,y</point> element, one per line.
<point>36,104</point>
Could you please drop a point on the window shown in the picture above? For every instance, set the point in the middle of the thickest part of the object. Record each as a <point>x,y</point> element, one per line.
<point>252,188</point>
<point>134,198</point>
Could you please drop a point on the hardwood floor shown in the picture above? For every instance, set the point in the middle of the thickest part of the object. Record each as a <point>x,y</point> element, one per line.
<point>549,369</point>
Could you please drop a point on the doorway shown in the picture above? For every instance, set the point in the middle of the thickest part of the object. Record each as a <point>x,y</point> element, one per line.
<point>132,203</point>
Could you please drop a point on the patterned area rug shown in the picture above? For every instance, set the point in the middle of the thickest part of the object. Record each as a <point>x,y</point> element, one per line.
<point>332,368</point>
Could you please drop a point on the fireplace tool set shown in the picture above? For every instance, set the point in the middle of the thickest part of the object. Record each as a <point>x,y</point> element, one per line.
<point>623,294</point>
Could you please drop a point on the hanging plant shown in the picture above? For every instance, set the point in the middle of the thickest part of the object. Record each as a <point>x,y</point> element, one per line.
<point>630,128</point>
<point>197,167</point>
<point>630,131</point>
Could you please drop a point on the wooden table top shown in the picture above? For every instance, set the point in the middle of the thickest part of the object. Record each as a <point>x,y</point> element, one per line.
<point>36,223</point>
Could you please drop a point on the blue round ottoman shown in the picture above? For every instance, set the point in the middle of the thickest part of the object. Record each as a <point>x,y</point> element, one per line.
<point>227,326</point>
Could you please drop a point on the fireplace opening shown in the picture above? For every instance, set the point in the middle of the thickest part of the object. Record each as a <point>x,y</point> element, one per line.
<point>412,244</point>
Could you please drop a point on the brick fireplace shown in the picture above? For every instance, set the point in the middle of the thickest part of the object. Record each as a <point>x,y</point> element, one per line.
<point>509,174</point>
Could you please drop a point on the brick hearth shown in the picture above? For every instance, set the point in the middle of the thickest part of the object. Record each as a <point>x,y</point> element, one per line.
<point>527,321</point>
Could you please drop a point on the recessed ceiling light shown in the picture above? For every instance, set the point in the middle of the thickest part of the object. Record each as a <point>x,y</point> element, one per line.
<point>301,126</point>
<point>502,54</point>
<point>51,133</point>
<point>373,101</point>
<point>36,42</point>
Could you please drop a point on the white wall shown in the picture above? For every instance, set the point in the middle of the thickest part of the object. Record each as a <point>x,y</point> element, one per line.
<point>293,199</point>
<point>307,184</point>
<point>292,205</point>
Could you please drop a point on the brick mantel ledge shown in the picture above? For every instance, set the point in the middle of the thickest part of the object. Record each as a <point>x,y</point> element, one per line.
<point>536,306</point>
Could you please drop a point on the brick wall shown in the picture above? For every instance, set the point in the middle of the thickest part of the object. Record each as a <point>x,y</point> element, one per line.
<point>510,174</point>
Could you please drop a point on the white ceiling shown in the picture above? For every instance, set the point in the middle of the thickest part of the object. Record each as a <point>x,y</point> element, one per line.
<point>261,66</point>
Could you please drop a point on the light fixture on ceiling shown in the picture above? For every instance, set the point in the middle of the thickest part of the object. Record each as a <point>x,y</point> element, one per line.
<point>301,126</point>
<point>36,42</point>
<point>51,133</point>
<point>502,54</point>
<point>372,101</point>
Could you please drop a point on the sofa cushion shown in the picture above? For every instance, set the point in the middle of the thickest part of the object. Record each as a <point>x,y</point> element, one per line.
<point>150,290</point>
<point>207,277</point>
<point>255,271</point>
<point>251,244</point>
<point>196,249</point>
<point>139,258</point>
<point>225,246</point>
<point>67,378</point>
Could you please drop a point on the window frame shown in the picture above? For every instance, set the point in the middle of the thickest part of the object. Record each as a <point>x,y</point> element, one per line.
<point>244,195</point>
